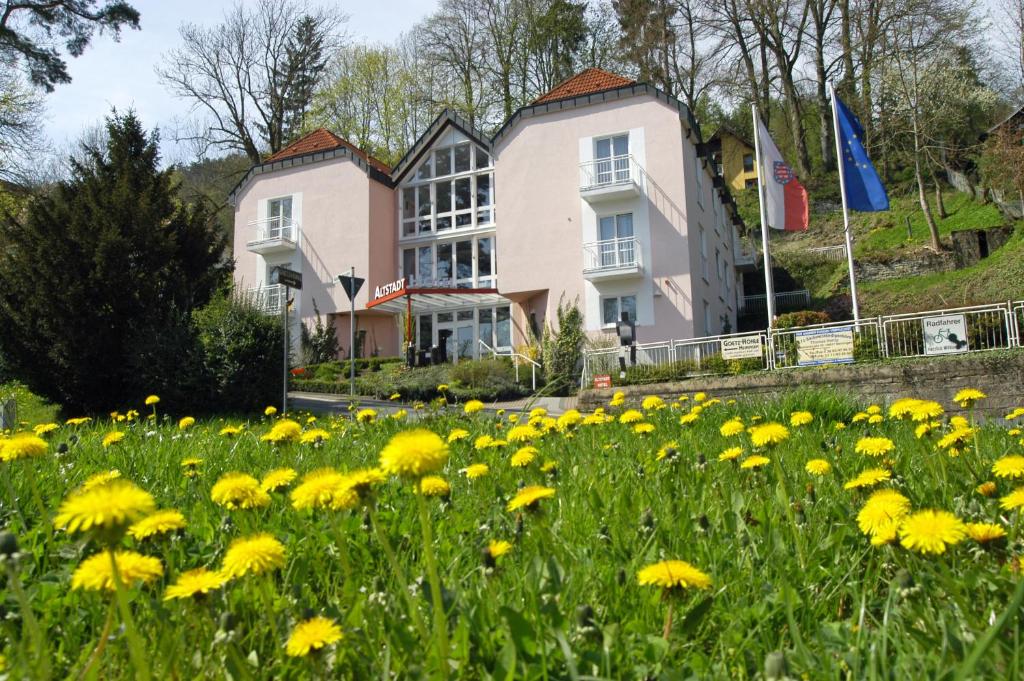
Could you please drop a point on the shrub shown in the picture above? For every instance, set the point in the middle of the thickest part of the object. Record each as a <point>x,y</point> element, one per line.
<point>321,343</point>
<point>242,350</point>
<point>563,349</point>
<point>801,318</point>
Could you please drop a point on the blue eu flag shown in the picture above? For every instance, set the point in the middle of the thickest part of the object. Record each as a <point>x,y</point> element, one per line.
<point>864,189</point>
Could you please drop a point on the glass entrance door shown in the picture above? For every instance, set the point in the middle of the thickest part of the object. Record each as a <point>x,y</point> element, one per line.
<point>458,337</point>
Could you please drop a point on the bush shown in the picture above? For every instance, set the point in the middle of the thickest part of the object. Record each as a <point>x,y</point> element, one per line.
<point>321,343</point>
<point>801,318</point>
<point>563,350</point>
<point>242,350</point>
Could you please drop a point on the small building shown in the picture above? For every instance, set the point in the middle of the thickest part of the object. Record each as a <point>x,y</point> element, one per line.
<point>733,157</point>
<point>598,192</point>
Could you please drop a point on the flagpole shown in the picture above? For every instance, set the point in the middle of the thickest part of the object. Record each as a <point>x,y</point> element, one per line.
<point>769,288</point>
<point>846,211</point>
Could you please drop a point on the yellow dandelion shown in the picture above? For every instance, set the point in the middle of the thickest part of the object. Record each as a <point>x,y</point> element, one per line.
<point>874,446</point>
<point>926,410</point>
<point>324,488</point>
<point>755,461</point>
<point>152,400</point>
<point>109,507</point>
<point>688,419</point>
<point>730,454</point>
<point>768,434</point>
<point>476,470</point>
<point>156,524</point>
<point>473,406</point>
<point>96,573</point>
<point>270,411</point>
<point>239,491</point>
<point>277,479</point>
<point>643,428</point>
<point>112,438</point>
<point>523,457</point>
<point>529,496</point>
<point>732,427</point>
<point>652,402</point>
<point>77,421</point>
<point>925,428</point>
<point>314,436</point>
<point>869,478</point>
<point>195,584</point>
<point>230,431</point>
<point>986,489</point>
<point>1014,499</point>
<point>254,554</point>
<point>186,422</point>
<point>524,433</point>
<point>882,512</point>
<point>366,415</point>
<point>931,531</point>
<point>44,428</point>
<point>498,547</point>
<point>968,396</point>
<point>98,479</point>
<point>1011,466</point>
<point>22,446</point>
<point>414,453</point>
<point>818,467</point>
<point>667,451</point>
<point>985,532</point>
<point>312,635</point>
<point>434,486</point>
<point>674,574</point>
<point>284,430</point>
<point>569,420</point>
<point>800,418</point>
<point>631,416</point>
<point>457,434</point>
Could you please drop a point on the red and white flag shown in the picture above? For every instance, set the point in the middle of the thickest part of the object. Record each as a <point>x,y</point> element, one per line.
<point>785,199</point>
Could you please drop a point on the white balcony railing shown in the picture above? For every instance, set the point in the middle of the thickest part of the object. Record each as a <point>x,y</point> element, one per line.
<point>784,300</point>
<point>269,299</point>
<point>612,177</point>
<point>271,234</point>
<point>612,254</point>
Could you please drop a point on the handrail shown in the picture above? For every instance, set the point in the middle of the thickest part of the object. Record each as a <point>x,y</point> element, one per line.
<point>515,356</point>
<point>609,254</point>
<point>611,170</point>
<point>277,227</point>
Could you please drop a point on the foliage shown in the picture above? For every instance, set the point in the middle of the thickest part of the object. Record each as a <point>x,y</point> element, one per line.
<point>28,29</point>
<point>31,408</point>
<point>241,350</point>
<point>99,270</point>
<point>562,349</point>
<point>789,320</point>
<point>1001,162</point>
<point>21,112</point>
<point>789,565</point>
<point>321,344</point>
<point>487,380</point>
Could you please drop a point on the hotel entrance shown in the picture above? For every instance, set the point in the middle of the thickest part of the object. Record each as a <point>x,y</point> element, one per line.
<point>456,333</point>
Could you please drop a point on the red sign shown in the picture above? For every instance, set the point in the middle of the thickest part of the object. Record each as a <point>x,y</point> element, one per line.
<point>604,381</point>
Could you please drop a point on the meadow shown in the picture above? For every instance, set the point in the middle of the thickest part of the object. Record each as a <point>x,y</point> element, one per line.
<point>805,537</point>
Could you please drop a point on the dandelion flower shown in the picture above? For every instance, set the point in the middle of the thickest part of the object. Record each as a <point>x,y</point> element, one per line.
<point>528,497</point>
<point>570,419</point>
<point>476,470</point>
<point>986,489</point>
<point>768,434</point>
<point>414,453</point>
<point>395,396</point>
<point>22,446</point>
<point>882,512</point>
<point>875,419</point>
<point>473,406</point>
<point>195,584</point>
<point>230,431</point>
<point>312,635</point>
<point>96,573</point>
<point>108,506</point>
<point>314,436</point>
<point>457,434</point>
<point>434,486</point>
<point>239,491</point>
<point>1014,499</point>
<point>903,408</point>
<point>631,416</point>
<point>277,479</point>
<point>652,403</point>
<point>885,535</point>
<point>818,467</point>
<point>524,433</point>
<point>730,454</point>
<point>324,488</point>
<point>255,554</point>
<point>931,531</point>
<point>1009,466</point>
<point>924,428</point>
<point>152,400</point>
<point>366,415</point>
<point>158,523</point>
<point>874,446</point>
<point>186,422</point>
<point>985,532</point>
<point>77,421</point>
<point>270,411</point>
<point>44,428</point>
<point>112,438</point>
<point>755,461</point>
<point>874,409</point>
<point>643,428</point>
<point>868,478</point>
<point>732,427</point>
<point>968,396</point>
<point>800,418</point>
<point>524,457</point>
<point>284,430</point>
<point>674,574</point>
<point>926,410</point>
<point>667,451</point>
<point>98,479</point>
<point>549,467</point>
<point>687,419</point>
<point>361,480</point>
<point>498,547</point>
<point>957,436</point>
<point>443,387</point>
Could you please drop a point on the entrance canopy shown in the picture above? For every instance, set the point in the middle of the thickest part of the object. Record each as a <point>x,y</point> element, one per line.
<point>428,300</point>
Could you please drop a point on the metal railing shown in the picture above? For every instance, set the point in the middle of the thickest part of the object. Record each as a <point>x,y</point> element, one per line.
<point>606,172</point>
<point>611,254</point>
<point>836,253</point>
<point>269,299</point>
<point>978,328</point>
<point>783,299</point>
<point>274,229</point>
<point>516,358</point>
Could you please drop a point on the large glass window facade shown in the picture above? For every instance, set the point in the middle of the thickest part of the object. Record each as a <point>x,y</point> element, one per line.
<point>462,263</point>
<point>453,188</point>
<point>465,330</point>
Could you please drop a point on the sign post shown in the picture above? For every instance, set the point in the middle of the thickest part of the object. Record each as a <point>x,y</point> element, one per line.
<point>945,334</point>
<point>351,283</point>
<point>290,279</point>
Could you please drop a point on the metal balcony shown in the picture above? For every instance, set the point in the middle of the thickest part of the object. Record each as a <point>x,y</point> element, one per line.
<point>268,299</point>
<point>273,235</point>
<point>610,179</point>
<point>612,259</point>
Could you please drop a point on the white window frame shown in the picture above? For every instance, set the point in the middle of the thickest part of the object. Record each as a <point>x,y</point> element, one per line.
<point>618,309</point>
<point>434,182</point>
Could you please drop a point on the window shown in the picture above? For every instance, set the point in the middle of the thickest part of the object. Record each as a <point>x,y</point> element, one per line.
<point>611,159</point>
<point>426,265</point>
<point>409,263</point>
<point>616,247</point>
<point>750,183</point>
<point>444,264</point>
<point>486,332</point>
<point>613,308</point>
<point>424,208</point>
<point>443,162</point>
<point>463,202</point>
<point>464,264</point>
<point>704,254</point>
<point>408,211</point>
<point>503,335</point>
<point>279,218</point>
<point>425,172</point>
<point>484,198</point>
<point>483,160</point>
<point>426,331</point>
<point>707,319</point>
<point>485,262</point>
<point>719,265</point>
<point>462,152</point>
<point>748,163</point>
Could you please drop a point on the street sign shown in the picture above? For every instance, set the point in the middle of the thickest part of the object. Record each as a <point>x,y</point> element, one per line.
<point>945,335</point>
<point>350,284</point>
<point>603,381</point>
<point>286,277</point>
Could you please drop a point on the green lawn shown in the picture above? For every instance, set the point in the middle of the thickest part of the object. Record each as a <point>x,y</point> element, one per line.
<point>787,576</point>
<point>31,407</point>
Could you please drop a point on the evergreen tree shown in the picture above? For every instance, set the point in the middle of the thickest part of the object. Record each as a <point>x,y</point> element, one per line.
<point>99,276</point>
<point>305,62</point>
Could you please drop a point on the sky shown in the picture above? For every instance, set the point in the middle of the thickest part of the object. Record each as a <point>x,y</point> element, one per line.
<point>121,74</point>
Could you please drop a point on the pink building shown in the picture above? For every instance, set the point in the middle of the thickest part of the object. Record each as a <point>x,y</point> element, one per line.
<point>600,192</point>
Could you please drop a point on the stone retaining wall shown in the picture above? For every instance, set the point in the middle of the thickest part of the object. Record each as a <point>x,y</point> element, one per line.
<point>999,374</point>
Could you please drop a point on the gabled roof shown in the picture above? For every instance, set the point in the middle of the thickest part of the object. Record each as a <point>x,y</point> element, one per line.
<point>323,139</point>
<point>585,82</point>
<point>430,135</point>
<point>727,130</point>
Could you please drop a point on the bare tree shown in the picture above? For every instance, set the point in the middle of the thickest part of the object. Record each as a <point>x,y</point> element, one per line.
<point>454,38</point>
<point>238,74</point>
<point>21,110</point>
<point>821,33</point>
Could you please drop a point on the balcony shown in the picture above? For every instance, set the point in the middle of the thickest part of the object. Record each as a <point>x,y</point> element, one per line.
<point>785,301</point>
<point>268,299</point>
<point>273,235</point>
<point>612,259</point>
<point>610,179</point>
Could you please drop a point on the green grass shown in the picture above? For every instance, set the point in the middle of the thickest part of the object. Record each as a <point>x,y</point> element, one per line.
<point>31,408</point>
<point>791,571</point>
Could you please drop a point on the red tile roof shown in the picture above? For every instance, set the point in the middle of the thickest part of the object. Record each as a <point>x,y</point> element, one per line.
<point>584,83</point>
<point>323,139</point>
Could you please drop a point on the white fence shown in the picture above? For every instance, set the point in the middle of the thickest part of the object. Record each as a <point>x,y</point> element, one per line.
<point>979,328</point>
<point>783,300</point>
<point>829,252</point>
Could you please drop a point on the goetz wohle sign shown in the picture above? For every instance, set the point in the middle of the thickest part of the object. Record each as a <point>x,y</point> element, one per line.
<point>743,347</point>
<point>389,289</point>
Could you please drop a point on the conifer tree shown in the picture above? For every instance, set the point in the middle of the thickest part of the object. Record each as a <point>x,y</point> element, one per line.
<point>99,276</point>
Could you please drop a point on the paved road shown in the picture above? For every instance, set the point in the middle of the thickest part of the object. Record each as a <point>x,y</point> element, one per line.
<point>319,403</point>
